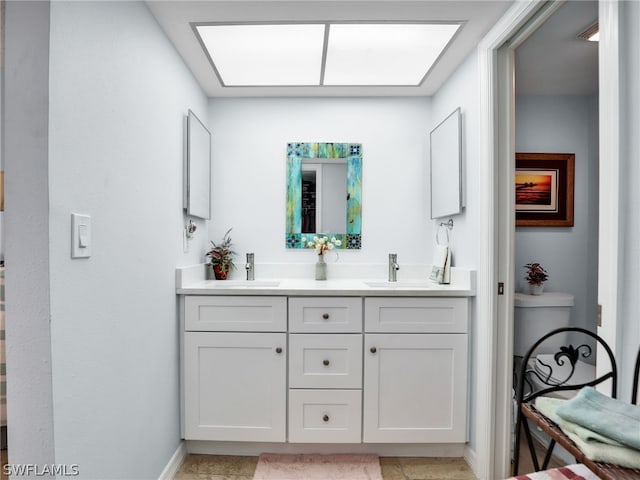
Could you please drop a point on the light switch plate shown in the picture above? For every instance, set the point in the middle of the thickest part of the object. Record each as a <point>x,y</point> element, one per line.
<point>80,236</point>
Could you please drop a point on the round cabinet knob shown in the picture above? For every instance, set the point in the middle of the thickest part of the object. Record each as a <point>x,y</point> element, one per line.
<point>325,418</point>
<point>373,349</point>
<point>325,363</point>
<point>325,316</point>
<point>279,350</point>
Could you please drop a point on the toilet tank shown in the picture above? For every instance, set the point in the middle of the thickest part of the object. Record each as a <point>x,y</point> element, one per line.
<point>537,315</point>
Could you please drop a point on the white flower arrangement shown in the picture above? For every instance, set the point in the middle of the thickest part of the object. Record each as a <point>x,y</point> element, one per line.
<point>321,244</point>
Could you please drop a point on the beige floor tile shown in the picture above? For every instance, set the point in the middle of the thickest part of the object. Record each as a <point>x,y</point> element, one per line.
<point>391,468</point>
<point>416,468</point>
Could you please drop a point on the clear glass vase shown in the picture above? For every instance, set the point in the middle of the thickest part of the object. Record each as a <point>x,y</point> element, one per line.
<point>321,268</point>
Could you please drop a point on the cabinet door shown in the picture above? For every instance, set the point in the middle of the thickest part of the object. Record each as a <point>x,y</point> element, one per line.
<point>235,386</point>
<point>415,388</point>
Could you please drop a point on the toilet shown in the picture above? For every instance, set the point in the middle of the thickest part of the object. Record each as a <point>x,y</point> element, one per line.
<point>537,315</point>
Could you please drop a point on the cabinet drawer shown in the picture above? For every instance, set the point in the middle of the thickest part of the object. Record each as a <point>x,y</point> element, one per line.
<point>416,315</point>
<point>325,314</point>
<point>325,360</point>
<point>235,314</point>
<point>325,416</point>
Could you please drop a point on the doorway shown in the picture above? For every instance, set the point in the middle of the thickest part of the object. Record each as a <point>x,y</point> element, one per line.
<point>556,120</point>
<point>496,267</point>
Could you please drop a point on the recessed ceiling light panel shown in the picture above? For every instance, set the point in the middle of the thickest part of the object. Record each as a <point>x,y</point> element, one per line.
<point>315,54</point>
<point>255,55</point>
<point>384,54</point>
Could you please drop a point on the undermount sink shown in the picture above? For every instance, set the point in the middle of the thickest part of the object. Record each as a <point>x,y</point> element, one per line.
<point>401,284</point>
<point>246,283</point>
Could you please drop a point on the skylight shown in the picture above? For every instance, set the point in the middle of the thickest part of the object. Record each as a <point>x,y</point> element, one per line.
<point>256,55</point>
<point>316,54</point>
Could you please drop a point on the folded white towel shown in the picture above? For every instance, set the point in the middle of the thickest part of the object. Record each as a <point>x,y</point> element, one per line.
<point>441,269</point>
<point>596,447</point>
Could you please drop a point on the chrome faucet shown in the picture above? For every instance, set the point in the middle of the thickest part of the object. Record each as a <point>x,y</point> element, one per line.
<point>393,267</point>
<point>250,267</point>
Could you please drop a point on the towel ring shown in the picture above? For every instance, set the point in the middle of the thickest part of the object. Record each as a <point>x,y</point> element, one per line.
<point>447,226</point>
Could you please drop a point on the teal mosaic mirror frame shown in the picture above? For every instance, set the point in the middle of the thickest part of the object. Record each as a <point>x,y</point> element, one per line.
<point>296,152</point>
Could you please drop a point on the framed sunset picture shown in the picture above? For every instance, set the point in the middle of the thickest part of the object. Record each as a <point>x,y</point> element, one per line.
<point>544,189</point>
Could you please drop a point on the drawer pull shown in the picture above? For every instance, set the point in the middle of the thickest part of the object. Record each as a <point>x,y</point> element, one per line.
<point>325,316</point>
<point>325,418</point>
<point>325,363</point>
<point>373,349</point>
<point>279,350</point>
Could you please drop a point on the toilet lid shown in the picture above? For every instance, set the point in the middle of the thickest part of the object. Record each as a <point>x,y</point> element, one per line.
<point>546,365</point>
<point>547,299</point>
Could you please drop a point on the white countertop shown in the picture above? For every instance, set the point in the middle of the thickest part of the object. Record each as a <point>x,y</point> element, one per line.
<point>191,281</point>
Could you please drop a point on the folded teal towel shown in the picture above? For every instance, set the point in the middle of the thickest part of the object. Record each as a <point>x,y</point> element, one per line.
<point>607,416</point>
<point>593,445</point>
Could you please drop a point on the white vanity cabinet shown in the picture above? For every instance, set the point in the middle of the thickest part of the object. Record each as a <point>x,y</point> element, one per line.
<point>299,367</point>
<point>415,382</point>
<point>235,368</point>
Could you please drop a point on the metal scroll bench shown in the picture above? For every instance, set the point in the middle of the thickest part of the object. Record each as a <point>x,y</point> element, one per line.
<point>526,394</point>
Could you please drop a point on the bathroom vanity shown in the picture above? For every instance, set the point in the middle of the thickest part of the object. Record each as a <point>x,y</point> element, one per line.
<point>297,362</point>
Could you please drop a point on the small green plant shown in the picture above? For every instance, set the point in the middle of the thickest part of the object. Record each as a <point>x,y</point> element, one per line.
<point>222,255</point>
<point>536,274</point>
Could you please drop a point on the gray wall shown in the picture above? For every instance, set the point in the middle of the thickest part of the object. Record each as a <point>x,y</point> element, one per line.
<point>28,329</point>
<point>102,392</point>
<point>564,124</point>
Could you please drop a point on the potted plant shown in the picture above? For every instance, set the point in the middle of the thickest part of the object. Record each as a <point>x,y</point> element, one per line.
<point>536,276</point>
<point>221,256</point>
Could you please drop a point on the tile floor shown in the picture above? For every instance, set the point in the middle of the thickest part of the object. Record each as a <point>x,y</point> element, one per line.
<point>224,467</point>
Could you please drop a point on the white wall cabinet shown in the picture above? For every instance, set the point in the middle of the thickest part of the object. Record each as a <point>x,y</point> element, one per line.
<point>325,369</point>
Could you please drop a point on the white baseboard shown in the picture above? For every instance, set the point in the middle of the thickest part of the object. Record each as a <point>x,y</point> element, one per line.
<point>175,462</point>
<point>471,457</point>
<point>382,449</point>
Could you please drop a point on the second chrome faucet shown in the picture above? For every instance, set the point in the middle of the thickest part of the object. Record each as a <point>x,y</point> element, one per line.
<point>393,267</point>
<point>250,267</point>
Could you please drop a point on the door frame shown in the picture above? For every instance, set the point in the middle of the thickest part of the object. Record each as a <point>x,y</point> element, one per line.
<point>497,149</point>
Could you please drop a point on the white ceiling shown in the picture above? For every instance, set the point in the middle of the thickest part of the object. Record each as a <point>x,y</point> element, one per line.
<point>175,17</point>
<point>553,61</point>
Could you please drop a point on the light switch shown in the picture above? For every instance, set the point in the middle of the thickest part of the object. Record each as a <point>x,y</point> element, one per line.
<point>80,236</point>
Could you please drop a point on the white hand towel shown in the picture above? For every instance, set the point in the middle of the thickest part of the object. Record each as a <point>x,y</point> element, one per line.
<point>441,269</point>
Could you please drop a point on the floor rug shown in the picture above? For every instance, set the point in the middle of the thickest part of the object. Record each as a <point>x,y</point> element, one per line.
<point>317,467</point>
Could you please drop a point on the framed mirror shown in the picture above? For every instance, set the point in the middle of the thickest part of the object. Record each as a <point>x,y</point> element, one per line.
<point>324,193</point>
<point>197,198</point>
<point>446,166</point>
